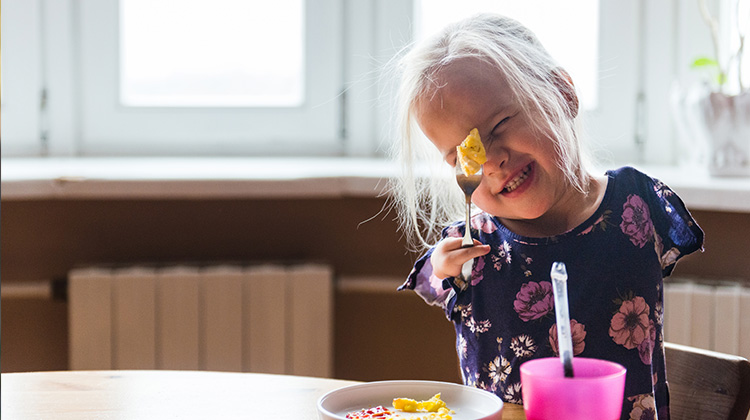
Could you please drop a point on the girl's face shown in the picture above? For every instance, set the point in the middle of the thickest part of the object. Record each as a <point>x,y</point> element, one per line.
<point>522,183</point>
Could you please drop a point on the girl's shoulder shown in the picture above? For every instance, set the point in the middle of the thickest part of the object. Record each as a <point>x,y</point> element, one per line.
<point>647,205</point>
<point>627,181</point>
<point>628,175</point>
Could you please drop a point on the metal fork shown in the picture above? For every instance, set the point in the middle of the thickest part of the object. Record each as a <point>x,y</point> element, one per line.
<point>468,184</point>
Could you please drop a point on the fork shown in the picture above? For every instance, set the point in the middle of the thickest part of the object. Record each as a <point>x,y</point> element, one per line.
<point>468,184</point>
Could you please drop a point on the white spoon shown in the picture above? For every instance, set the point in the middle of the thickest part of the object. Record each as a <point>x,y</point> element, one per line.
<point>559,277</point>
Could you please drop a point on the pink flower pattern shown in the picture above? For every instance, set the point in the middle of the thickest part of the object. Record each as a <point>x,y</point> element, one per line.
<point>631,324</point>
<point>477,272</point>
<point>636,221</point>
<point>482,222</point>
<point>534,300</point>
<point>453,232</point>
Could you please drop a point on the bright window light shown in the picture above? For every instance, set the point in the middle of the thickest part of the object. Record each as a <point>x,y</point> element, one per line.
<point>568,29</point>
<point>223,53</point>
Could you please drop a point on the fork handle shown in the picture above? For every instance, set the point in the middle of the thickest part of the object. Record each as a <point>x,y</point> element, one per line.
<point>467,241</point>
<point>466,269</point>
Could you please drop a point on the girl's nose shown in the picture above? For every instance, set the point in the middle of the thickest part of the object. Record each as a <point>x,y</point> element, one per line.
<point>496,159</point>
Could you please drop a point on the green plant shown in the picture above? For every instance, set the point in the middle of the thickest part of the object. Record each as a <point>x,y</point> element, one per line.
<point>712,66</point>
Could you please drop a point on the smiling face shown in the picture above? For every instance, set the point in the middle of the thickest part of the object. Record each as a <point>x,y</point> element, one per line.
<point>522,183</point>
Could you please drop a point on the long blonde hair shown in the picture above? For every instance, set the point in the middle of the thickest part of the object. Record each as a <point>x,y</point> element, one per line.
<point>425,196</point>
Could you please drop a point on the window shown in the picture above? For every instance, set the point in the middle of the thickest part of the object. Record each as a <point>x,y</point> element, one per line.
<point>21,74</point>
<point>569,31</point>
<point>250,54</point>
<point>181,81</point>
<point>105,78</point>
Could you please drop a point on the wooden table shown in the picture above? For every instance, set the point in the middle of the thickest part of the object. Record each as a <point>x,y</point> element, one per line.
<point>168,394</point>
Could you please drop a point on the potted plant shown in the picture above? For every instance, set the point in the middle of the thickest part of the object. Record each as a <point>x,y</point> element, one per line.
<point>722,109</point>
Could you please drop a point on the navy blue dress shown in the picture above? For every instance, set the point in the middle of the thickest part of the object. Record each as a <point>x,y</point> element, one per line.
<point>615,260</point>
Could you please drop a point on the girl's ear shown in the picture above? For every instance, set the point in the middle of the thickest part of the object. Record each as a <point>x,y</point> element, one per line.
<point>564,83</point>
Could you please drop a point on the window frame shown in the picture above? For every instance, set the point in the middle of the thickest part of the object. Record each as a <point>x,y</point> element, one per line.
<point>21,78</point>
<point>110,128</point>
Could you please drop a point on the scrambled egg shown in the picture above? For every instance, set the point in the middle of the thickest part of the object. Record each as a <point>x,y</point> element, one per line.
<point>435,406</point>
<point>434,409</point>
<point>471,153</point>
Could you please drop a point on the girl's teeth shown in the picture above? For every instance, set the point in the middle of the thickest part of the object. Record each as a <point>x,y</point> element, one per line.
<point>517,181</point>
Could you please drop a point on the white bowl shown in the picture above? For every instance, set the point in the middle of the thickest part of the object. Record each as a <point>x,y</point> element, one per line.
<point>467,402</point>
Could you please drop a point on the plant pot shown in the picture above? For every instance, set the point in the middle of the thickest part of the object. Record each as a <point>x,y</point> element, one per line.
<point>727,122</point>
<point>717,126</point>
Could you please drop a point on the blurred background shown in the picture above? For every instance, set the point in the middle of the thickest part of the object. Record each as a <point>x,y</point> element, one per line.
<point>200,185</point>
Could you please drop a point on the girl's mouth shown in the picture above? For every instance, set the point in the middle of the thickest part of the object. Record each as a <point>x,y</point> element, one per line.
<point>518,180</point>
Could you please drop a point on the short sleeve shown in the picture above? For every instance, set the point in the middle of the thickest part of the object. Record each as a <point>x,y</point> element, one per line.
<point>435,291</point>
<point>677,233</point>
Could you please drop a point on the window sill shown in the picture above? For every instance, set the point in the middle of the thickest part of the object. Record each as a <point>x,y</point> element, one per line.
<point>192,178</point>
<point>229,178</point>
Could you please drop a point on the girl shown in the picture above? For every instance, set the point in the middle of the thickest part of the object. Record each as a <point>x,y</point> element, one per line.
<point>618,233</point>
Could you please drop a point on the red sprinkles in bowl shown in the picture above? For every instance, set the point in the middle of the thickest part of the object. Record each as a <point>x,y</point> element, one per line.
<point>378,412</point>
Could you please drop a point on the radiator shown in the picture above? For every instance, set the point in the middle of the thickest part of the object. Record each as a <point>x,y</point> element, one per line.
<point>708,316</point>
<point>267,318</point>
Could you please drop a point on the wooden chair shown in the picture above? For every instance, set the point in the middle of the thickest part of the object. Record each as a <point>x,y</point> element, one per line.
<point>707,385</point>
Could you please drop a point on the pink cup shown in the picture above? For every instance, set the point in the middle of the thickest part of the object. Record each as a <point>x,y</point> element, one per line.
<point>596,391</point>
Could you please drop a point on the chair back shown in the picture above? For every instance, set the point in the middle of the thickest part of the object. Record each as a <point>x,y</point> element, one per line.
<point>706,384</point>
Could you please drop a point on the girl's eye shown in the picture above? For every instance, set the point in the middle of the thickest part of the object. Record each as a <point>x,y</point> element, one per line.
<point>494,133</point>
<point>503,121</point>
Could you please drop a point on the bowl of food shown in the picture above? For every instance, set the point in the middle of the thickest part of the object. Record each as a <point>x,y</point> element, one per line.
<point>410,399</point>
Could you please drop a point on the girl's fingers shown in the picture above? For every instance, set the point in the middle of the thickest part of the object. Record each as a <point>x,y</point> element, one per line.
<point>449,256</point>
<point>465,254</point>
<point>452,247</point>
<point>451,244</point>
<point>476,251</point>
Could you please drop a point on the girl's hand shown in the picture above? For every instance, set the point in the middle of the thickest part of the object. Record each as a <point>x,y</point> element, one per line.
<point>448,256</point>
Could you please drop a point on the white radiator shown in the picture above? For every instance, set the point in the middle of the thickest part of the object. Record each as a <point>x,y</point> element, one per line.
<point>270,318</point>
<point>711,317</point>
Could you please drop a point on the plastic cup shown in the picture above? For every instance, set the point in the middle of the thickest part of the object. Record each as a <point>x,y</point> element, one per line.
<point>596,391</point>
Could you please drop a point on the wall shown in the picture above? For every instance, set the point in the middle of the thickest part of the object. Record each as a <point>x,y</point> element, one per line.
<point>379,333</point>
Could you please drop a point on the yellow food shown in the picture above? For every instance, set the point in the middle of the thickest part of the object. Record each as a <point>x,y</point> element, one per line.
<point>471,153</point>
<point>405,404</point>
<point>433,409</point>
<point>442,414</point>
<point>434,406</point>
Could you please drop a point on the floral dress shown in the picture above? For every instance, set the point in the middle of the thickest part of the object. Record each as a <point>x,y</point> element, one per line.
<point>615,260</point>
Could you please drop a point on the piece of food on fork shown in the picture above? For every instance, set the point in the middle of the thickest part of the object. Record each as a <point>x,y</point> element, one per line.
<point>471,153</point>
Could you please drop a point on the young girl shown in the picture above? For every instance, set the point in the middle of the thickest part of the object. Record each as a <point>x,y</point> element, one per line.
<point>618,233</point>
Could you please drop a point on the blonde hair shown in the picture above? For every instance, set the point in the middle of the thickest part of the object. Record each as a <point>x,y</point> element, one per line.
<point>426,196</point>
